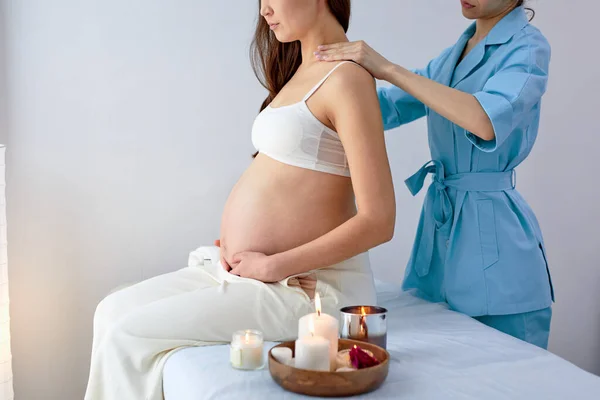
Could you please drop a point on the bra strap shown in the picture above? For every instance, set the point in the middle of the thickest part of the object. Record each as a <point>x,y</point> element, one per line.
<point>318,85</point>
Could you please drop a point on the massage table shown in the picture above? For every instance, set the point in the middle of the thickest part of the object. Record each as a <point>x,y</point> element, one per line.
<point>435,354</point>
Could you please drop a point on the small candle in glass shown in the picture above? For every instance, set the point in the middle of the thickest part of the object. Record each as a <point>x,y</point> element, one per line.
<point>364,323</point>
<point>246,350</point>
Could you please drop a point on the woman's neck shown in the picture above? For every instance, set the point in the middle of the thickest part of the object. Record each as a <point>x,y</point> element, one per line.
<point>326,32</point>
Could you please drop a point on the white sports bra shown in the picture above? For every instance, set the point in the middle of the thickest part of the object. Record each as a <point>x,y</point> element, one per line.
<point>293,135</point>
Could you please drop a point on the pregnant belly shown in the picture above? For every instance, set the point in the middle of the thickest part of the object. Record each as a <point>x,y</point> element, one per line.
<point>275,207</point>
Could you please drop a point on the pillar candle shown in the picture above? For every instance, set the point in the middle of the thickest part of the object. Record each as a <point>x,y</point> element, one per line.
<point>312,352</point>
<point>324,325</point>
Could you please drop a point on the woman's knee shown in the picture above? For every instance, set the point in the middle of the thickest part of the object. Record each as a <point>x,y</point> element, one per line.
<point>112,307</point>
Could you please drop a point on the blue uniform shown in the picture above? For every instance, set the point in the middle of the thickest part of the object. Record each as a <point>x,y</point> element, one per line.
<point>478,245</point>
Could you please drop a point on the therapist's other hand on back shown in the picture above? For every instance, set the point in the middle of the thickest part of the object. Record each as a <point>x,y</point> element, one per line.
<point>359,52</point>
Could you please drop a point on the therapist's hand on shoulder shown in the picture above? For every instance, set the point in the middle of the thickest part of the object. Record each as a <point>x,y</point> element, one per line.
<point>359,52</point>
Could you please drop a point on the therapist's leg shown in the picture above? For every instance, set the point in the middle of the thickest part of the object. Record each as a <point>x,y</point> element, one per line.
<point>532,327</point>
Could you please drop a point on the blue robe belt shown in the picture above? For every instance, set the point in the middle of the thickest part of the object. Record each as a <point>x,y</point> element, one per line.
<point>437,209</point>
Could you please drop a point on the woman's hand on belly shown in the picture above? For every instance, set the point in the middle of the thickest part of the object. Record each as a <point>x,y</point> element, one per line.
<point>224,262</point>
<point>258,266</point>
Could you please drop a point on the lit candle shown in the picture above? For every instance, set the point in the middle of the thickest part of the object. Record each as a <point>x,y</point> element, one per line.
<point>325,326</point>
<point>246,350</point>
<point>312,352</point>
<point>360,330</point>
<point>365,323</point>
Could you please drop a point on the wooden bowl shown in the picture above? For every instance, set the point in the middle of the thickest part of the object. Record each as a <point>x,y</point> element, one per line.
<point>331,384</point>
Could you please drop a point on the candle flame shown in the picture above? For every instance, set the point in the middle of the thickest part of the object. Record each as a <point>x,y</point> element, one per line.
<point>362,311</point>
<point>318,303</point>
<point>247,337</point>
<point>362,325</point>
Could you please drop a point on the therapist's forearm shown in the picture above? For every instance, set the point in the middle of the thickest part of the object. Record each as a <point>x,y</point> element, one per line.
<point>461,108</point>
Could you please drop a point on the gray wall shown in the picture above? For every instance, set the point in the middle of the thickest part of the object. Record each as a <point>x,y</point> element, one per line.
<point>3,65</point>
<point>130,122</point>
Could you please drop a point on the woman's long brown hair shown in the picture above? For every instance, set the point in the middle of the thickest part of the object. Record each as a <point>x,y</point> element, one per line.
<point>274,63</point>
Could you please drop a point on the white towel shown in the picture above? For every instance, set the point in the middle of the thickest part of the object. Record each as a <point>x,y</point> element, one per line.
<point>204,253</point>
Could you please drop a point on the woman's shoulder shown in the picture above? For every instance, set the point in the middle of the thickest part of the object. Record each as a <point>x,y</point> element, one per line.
<point>349,72</point>
<point>351,94</point>
<point>350,79</point>
<point>531,38</point>
<point>529,47</point>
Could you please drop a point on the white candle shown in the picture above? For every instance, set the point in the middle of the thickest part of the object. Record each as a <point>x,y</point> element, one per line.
<point>312,352</point>
<point>246,350</point>
<point>325,326</point>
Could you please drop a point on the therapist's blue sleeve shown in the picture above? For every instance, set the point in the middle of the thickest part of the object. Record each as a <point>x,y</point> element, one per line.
<point>515,90</point>
<point>397,106</point>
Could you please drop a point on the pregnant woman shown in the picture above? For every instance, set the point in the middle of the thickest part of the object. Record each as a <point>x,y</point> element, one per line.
<point>315,199</point>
